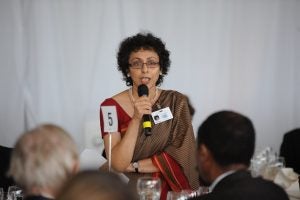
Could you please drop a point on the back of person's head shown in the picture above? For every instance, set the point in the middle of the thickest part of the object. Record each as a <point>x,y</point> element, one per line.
<point>290,149</point>
<point>43,158</point>
<point>229,136</point>
<point>96,185</point>
<point>5,155</point>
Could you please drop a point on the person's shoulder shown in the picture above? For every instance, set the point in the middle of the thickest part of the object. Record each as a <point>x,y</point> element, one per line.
<point>242,183</point>
<point>114,99</point>
<point>268,184</point>
<point>245,187</point>
<point>120,95</point>
<point>175,97</point>
<point>267,187</point>
<point>108,102</point>
<point>174,93</point>
<point>295,134</point>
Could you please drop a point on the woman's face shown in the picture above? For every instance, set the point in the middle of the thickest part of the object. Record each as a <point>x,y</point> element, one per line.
<point>144,68</point>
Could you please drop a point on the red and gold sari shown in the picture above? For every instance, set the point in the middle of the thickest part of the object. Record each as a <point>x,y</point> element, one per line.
<point>171,146</point>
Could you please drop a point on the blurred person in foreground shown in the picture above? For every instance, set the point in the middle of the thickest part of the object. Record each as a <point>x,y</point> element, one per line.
<point>5,155</point>
<point>166,153</point>
<point>290,149</point>
<point>96,185</point>
<point>42,160</point>
<point>226,142</point>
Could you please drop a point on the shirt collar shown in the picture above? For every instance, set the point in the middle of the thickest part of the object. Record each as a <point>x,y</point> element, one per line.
<point>219,178</point>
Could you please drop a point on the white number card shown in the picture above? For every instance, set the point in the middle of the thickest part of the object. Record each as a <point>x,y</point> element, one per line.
<point>110,118</point>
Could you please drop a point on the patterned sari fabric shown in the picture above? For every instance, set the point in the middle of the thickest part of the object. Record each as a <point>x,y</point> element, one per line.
<point>171,146</point>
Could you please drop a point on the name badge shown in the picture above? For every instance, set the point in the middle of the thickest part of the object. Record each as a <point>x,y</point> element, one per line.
<point>162,115</point>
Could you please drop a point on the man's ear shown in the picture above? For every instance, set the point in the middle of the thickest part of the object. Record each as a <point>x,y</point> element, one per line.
<point>206,164</point>
<point>203,153</point>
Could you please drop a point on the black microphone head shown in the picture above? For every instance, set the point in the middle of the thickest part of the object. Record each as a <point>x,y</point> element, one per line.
<point>143,90</point>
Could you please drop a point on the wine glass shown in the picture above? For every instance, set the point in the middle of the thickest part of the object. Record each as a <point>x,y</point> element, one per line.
<point>149,188</point>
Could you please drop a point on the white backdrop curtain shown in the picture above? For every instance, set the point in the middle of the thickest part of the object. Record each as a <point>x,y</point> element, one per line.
<point>58,60</point>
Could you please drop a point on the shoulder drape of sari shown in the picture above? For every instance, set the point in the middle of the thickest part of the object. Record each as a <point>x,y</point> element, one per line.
<point>181,145</point>
<point>170,173</point>
<point>174,137</point>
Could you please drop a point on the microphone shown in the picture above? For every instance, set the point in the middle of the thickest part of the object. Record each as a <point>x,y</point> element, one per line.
<point>143,91</point>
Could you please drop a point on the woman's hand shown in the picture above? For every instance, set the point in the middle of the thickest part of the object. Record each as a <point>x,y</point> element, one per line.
<point>142,106</point>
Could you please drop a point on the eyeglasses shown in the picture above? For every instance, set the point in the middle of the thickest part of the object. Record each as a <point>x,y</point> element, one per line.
<point>139,64</point>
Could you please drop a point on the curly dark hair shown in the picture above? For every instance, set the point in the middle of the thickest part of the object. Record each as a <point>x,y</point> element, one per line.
<point>145,41</point>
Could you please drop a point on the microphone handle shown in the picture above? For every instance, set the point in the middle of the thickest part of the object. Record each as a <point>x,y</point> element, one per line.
<point>147,125</point>
<point>147,131</point>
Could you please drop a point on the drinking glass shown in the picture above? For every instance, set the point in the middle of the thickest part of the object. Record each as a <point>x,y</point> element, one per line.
<point>14,193</point>
<point>149,188</point>
<point>279,162</point>
<point>1,194</point>
<point>258,166</point>
<point>273,167</point>
<point>182,195</point>
<point>203,190</point>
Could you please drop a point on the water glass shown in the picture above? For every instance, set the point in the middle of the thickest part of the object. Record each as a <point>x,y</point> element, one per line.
<point>1,194</point>
<point>258,166</point>
<point>279,162</point>
<point>182,195</point>
<point>149,188</point>
<point>14,193</point>
<point>186,194</point>
<point>203,190</point>
<point>273,168</point>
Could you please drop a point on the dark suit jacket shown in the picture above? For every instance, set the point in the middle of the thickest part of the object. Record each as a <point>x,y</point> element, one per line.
<point>290,149</point>
<point>241,186</point>
<point>5,153</point>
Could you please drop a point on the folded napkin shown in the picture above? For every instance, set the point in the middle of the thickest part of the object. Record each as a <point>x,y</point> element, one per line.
<point>286,177</point>
<point>91,159</point>
<point>293,190</point>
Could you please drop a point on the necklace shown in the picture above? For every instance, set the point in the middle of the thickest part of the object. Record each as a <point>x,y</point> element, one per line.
<point>152,100</point>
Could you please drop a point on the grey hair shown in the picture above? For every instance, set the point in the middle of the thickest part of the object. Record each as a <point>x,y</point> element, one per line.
<point>43,158</point>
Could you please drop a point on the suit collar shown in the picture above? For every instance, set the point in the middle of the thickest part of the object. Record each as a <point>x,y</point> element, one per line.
<point>219,178</point>
<point>232,178</point>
